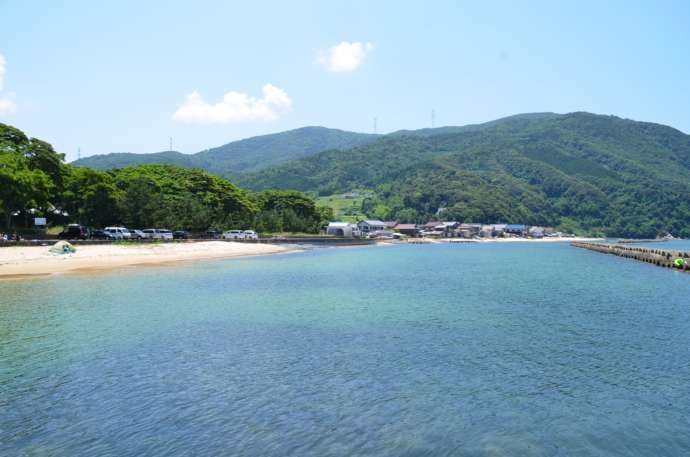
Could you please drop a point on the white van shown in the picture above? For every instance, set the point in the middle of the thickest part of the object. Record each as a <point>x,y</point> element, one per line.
<point>118,233</point>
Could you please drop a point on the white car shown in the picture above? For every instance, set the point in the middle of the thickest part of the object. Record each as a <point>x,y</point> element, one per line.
<point>233,235</point>
<point>118,233</point>
<point>250,235</point>
<point>164,234</point>
<point>157,234</point>
<point>137,234</point>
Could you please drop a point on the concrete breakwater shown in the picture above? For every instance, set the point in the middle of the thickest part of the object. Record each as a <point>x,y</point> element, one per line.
<point>659,257</point>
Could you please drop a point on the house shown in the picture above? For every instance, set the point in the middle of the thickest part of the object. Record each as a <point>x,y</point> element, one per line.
<point>469,230</point>
<point>487,231</point>
<point>431,225</point>
<point>344,229</point>
<point>407,229</point>
<point>536,232</point>
<point>499,229</point>
<point>371,225</point>
<point>516,229</point>
<point>449,229</point>
<point>390,224</point>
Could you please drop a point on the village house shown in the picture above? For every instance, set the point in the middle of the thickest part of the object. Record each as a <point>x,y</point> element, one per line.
<point>516,229</point>
<point>407,229</point>
<point>536,232</point>
<point>487,231</point>
<point>371,225</point>
<point>344,229</point>
<point>469,230</point>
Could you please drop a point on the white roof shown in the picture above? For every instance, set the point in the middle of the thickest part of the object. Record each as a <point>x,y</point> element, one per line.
<point>339,224</point>
<point>374,222</point>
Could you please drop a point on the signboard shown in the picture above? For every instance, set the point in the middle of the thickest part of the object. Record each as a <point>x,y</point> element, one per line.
<point>39,221</point>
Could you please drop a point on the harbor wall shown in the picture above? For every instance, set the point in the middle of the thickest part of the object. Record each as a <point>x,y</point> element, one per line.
<point>660,257</point>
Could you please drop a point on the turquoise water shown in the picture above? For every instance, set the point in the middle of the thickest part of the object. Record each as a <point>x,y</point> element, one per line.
<point>675,245</point>
<point>477,350</point>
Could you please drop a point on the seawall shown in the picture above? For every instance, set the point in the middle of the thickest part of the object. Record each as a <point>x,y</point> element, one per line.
<point>660,257</point>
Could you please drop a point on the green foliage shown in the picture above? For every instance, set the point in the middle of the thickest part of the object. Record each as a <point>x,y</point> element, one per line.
<point>32,175</point>
<point>588,173</point>
<point>289,211</point>
<point>90,197</point>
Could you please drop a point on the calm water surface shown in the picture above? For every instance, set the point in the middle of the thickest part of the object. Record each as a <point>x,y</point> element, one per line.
<point>457,350</point>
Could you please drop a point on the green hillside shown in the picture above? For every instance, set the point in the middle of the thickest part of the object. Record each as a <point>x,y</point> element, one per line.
<point>580,171</point>
<point>241,156</point>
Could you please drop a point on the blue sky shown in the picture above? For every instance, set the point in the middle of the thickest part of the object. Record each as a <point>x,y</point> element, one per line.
<point>117,76</point>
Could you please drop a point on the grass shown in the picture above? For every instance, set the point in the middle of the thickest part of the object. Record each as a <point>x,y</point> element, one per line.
<point>348,209</point>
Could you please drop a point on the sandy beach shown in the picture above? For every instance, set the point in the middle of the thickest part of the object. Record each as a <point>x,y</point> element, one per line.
<point>554,239</point>
<point>21,261</point>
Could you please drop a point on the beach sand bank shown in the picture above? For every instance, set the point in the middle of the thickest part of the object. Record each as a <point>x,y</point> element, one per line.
<point>34,261</point>
<point>506,240</point>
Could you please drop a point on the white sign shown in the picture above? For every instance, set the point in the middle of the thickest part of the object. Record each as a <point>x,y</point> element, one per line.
<point>39,221</point>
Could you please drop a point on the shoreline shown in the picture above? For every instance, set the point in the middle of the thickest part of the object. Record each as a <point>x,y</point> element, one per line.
<point>22,262</point>
<point>26,262</point>
<point>503,240</point>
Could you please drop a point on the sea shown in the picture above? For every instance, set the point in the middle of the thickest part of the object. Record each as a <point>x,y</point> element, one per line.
<point>515,349</point>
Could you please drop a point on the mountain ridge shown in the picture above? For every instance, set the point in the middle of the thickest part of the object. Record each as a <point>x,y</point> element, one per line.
<point>581,171</point>
<point>243,155</point>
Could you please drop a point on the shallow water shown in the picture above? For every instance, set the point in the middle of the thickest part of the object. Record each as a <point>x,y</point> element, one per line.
<point>487,349</point>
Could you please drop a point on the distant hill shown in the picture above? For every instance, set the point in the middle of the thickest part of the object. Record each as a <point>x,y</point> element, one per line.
<point>241,156</point>
<point>579,171</point>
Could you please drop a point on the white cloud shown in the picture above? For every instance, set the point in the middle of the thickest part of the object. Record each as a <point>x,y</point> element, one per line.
<point>344,57</point>
<point>7,107</point>
<point>2,69</point>
<point>235,107</point>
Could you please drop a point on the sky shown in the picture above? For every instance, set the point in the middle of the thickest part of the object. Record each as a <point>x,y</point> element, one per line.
<point>126,76</point>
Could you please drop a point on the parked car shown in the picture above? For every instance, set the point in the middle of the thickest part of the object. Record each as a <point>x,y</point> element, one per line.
<point>149,233</point>
<point>250,235</point>
<point>233,235</point>
<point>180,235</point>
<point>118,233</point>
<point>74,232</point>
<point>137,234</point>
<point>213,234</point>
<point>164,234</point>
<point>101,235</point>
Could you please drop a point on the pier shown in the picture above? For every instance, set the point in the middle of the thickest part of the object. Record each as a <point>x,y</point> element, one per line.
<point>659,257</point>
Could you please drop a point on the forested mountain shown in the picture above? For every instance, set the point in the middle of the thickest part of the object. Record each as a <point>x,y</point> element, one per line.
<point>241,156</point>
<point>579,171</point>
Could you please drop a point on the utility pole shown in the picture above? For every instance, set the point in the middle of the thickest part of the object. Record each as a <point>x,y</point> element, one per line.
<point>78,152</point>
<point>375,124</point>
<point>433,118</point>
<point>171,144</point>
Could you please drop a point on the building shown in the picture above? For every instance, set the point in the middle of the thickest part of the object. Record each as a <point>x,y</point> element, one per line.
<point>407,229</point>
<point>390,224</point>
<point>344,229</point>
<point>371,225</point>
<point>487,231</point>
<point>536,232</point>
<point>516,229</point>
<point>469,230</point>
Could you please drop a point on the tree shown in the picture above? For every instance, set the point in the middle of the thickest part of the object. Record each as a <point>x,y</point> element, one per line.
<point>90,197</point>
<point>21,188</point>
